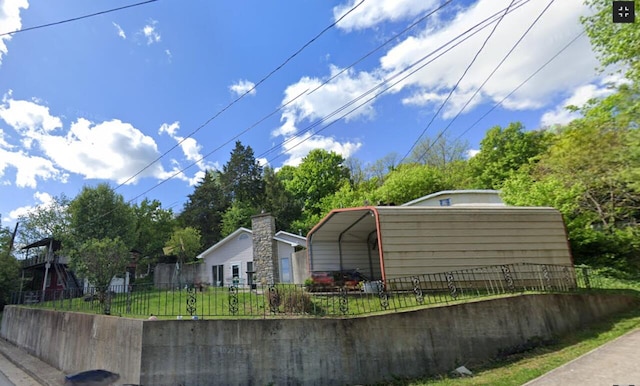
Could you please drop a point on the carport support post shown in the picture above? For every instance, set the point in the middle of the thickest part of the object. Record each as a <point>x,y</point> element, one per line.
<point>265,249</point>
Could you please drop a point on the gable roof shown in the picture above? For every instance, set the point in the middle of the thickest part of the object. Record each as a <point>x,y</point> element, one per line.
<point>224,241</point>
<point>293,239</point>
<point>282,236</point>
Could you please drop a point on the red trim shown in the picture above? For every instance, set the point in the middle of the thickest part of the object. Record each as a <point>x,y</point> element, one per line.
<point>331,214</point>
<point>380,250</point>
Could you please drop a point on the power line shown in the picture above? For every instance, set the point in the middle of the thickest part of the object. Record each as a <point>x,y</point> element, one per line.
<point>77,18</point>
<point>458,82</point>
<point>522,83</point>
<point>244,94</point>
<point>387,80</point>
<point>480,27</point>
<point>486,80</point>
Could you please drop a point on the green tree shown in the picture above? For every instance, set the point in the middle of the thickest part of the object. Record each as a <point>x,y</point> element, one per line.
<point>102,232</point>
<point>154,226</point>
<point>100,213</point>
<point>615,44</point>
<point>237,215</point>
<point>408,182</point>
<point>101,260</point>
<point>46,220</point>
<point>205,207</point>
<point>320,174</point>
<point>503,151</point>
<point>185,243</point>
<point>278,200</point>
<point>9,268</point>
<point>241,177</point>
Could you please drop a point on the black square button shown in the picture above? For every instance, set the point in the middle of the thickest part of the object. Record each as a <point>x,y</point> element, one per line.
<point>624,12</point>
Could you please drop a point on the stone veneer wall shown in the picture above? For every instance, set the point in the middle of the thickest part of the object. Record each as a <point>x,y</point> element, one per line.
<point>265,249</point>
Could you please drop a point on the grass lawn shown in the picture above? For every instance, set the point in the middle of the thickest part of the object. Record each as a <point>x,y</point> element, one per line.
<point>520,368</point>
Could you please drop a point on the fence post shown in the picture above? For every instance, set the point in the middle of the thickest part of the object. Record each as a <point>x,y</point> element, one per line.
<point>585,274</point>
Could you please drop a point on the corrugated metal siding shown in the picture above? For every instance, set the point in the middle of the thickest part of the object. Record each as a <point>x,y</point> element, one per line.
<point>444,239</point>
<point>325,256</point>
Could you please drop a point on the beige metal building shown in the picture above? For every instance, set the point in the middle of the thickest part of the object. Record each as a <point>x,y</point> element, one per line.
<point>388,242</point>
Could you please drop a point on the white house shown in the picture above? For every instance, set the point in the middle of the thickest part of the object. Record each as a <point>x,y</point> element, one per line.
<point>233,257</point>
<point>459,198</point>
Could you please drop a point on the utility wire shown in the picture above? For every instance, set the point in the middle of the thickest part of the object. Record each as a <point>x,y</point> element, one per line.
<point>488,21</point>
<point>387,80</point>
<point>486,80</point>
<point>77,18</point>
<point>244,94</point>
<point>522,84</point>
<point>457,83</point>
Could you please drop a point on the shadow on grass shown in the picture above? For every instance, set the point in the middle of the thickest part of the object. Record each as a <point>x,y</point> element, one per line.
<point>599,333</point>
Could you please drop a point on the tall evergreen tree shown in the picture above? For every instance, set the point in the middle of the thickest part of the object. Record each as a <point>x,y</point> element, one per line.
<point>241,177</point>
<point>205,207</point>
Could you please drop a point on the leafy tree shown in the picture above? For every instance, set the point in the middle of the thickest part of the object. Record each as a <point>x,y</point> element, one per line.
<point>320,174</point>
<point>410,181</point>
<point>9,268</point>
<point>47,220</point>
<point>99,213</point>
<point>278,200</point>
<point>101,260</point>
<point>185,243</point>
<point>154,226</point>
<point>204,208</point>
<point>102,232</point>
<point>237,215</point>
<point>241,177</point>
<point>615,44</point>
<point>505,150</point>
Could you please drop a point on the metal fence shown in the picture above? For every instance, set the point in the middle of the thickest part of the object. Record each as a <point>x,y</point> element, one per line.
<point>286,299</point>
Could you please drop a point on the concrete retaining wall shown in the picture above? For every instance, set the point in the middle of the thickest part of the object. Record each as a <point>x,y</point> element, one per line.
<point>305,351</point>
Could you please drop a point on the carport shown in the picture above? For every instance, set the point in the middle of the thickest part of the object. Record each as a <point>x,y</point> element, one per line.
<point>388,242</point>
<point>347,239</point>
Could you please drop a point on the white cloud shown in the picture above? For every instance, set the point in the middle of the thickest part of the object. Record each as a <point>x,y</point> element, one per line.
<point>111,150</point>
<point>472,153</point>
<point>262,162</point>
<point>10,21</point>
<point>169,55</point>
<point>324,101</point>
<point>120,30</point>
<point>150,32</point>
<point>242,87</point>
<point>556,28</point>
<point>296,149</point>
<point>40,198</point>
<point>581,95</point>
<point>371,13</point>
<point>29,168</point>
<point>189,146</point>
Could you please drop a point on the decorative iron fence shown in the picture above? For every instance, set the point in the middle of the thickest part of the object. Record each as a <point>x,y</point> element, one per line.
<point>287,299</point>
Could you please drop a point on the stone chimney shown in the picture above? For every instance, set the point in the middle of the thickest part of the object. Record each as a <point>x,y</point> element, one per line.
<point>265,249</point>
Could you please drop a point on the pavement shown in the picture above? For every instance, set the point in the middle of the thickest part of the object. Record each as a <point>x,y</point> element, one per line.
<point>614,363</point>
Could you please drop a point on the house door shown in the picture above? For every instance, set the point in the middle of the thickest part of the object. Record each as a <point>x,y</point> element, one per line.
<point>218,275</point>
<point>285,270</point>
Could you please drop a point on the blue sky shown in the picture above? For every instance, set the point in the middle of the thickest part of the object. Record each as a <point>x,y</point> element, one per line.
<point>97,100</point>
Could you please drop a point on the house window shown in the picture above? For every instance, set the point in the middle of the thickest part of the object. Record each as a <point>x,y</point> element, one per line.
<point>218,275</point>
<point>235,273</point>
<point>243,236</point>
<point>445,202</point>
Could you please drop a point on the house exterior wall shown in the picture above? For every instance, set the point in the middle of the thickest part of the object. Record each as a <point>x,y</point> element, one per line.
<point>447,239</point>
<point>454,198</point>
<point>236,251</point>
